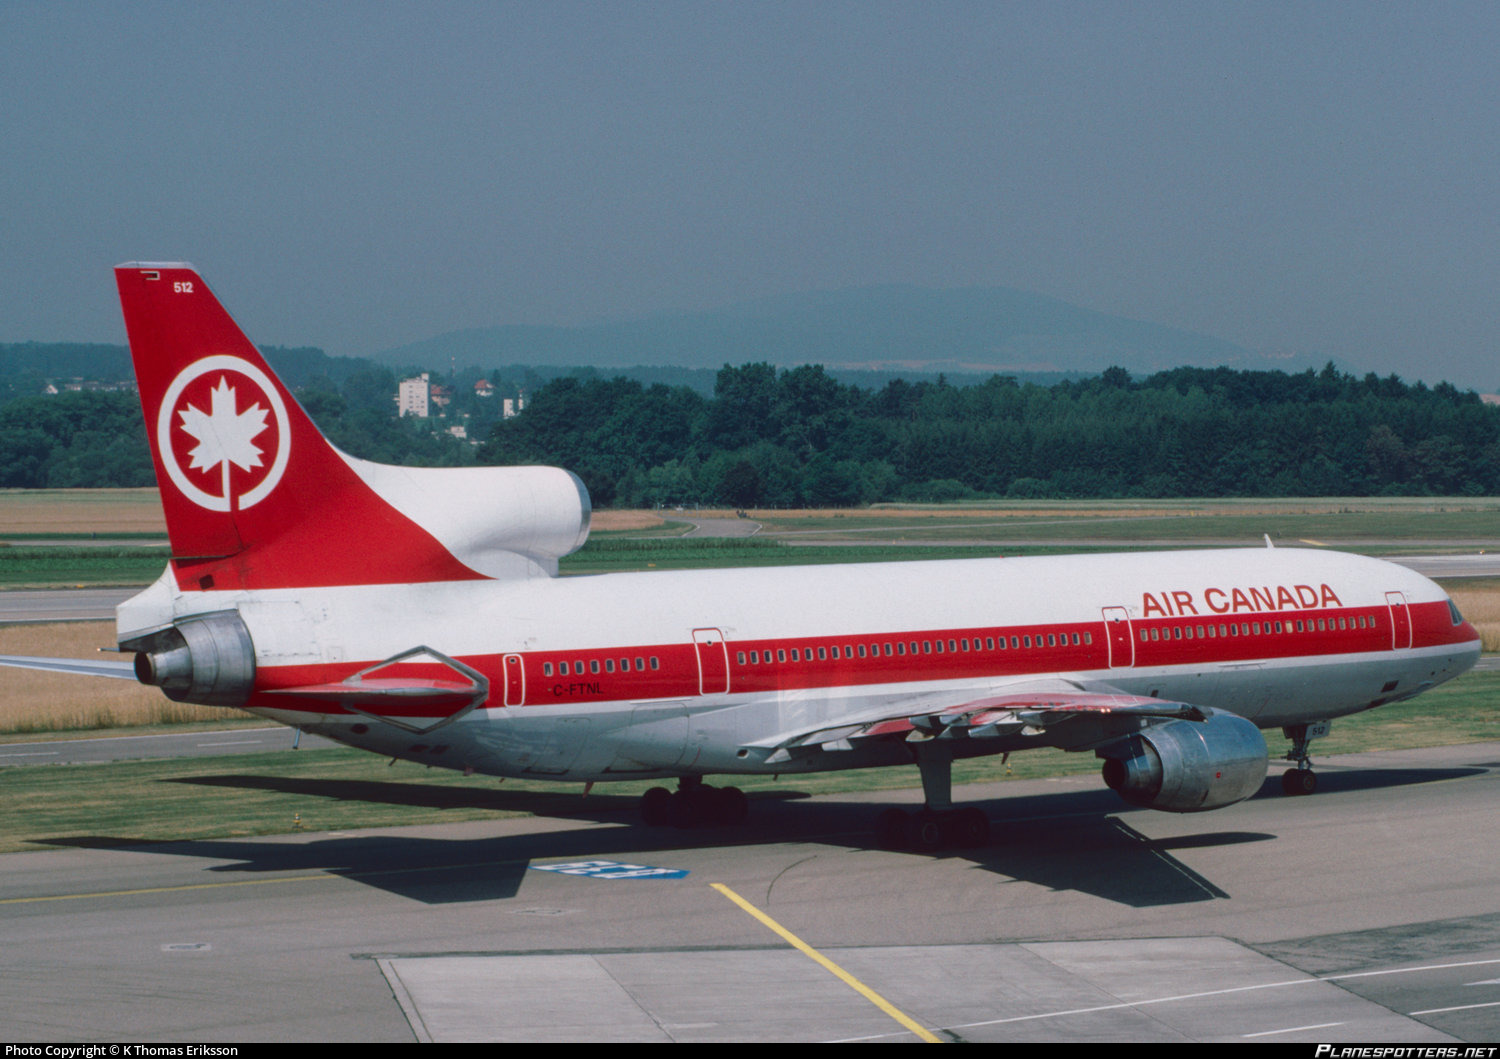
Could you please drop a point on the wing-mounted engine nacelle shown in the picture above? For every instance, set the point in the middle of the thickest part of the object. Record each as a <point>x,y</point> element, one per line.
<point>1188,766</point>
<point>208,659</point>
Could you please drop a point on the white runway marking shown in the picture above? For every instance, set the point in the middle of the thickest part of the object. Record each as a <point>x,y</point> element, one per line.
<point>1291,1029</point>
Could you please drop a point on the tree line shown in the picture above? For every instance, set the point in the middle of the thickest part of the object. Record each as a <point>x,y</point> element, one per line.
<point>799,437</point>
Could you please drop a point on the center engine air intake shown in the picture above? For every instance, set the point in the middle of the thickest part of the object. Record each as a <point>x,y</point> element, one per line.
<point>1188,766</point>
<point>207,659</point>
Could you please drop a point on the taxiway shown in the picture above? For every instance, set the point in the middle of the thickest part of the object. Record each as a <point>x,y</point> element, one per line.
<point>1369,911</point>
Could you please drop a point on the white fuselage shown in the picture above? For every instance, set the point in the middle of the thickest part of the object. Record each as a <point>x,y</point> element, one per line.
<point>654,674</point>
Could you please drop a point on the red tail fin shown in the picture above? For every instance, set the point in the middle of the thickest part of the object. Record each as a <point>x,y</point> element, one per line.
<point>255,497</point>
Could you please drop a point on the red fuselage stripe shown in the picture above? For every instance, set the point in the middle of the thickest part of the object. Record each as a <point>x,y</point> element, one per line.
<point>671,670</point>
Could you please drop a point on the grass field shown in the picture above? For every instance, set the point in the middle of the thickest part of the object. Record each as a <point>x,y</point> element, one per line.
<point>35,702</point>
<point>100,512</point>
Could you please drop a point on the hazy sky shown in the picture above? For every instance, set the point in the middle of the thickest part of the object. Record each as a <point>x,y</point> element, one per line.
<point>1318,177</point>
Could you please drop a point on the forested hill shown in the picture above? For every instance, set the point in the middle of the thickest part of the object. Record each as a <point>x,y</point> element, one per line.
<point>970,329</point>
<point>800,437</point>
<point>25,367</point>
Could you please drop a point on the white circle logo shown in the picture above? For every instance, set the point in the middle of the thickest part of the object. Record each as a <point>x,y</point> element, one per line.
<point>214,434</point>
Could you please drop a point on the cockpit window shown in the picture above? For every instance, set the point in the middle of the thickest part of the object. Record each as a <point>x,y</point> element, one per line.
<point>1458,619</point>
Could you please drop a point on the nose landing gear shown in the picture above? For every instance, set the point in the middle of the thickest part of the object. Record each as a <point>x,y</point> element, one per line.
<point>1302,779</point>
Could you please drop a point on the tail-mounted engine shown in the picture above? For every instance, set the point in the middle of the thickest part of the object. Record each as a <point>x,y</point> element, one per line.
<point>1188,766</point>
<point>207,659</point>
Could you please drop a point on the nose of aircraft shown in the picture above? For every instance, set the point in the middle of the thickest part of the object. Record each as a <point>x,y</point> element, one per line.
<point>1466,648</point>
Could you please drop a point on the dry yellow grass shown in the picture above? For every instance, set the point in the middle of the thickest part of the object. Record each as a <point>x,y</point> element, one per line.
<point>625,520</point>
<point>101,511</point>
<point>1481,606</point>
<point>35,701</point>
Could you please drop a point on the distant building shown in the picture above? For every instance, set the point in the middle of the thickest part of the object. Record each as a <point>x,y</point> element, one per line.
<point>412,397</point>
<point>484,388</point>
<point>77,385</point>
<point>1490,398</point>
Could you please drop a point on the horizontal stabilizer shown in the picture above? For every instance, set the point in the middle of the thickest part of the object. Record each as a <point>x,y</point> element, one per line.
<point>101,668</point>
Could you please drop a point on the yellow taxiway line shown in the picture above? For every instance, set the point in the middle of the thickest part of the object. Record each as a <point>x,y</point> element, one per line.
<point>844,976</point>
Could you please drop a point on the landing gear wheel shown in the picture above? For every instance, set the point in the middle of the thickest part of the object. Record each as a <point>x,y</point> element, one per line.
<point>656,806</point>
<point>690,807</point>
<point>970,828</point>
<point>929,831</point>
<point>1299,781</point>
<point>729,806</point>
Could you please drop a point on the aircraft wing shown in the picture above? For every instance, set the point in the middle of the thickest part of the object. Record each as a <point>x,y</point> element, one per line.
<point>87,667</point>
<point>1074,717</point>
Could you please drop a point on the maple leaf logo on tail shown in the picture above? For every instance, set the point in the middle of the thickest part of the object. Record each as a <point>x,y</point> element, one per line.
<point>233,443</point>
<point>225,437</point>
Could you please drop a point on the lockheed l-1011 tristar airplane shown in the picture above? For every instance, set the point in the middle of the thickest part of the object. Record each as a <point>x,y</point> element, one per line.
<point>417,613</point>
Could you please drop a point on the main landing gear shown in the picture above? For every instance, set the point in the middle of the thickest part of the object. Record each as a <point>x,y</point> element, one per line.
<point>1302,779</point>
<point>694,803</point>
<point>938,825</point>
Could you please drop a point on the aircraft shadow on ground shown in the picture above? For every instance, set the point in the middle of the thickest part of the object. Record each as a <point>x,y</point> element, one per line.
<point>1074,841</point>
<point>1333,781</point>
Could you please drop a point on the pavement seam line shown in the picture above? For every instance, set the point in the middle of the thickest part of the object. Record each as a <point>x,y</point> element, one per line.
<point>161,889</point>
